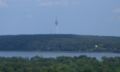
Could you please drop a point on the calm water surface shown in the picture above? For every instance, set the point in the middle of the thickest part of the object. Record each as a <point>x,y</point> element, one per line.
<point>56,54</point>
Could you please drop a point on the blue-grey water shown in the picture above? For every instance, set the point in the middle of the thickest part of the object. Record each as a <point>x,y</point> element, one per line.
<point>56,54</point>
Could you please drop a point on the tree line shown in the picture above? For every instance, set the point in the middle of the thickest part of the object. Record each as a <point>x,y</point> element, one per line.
<point>59,64</point>
<point>59,42</point>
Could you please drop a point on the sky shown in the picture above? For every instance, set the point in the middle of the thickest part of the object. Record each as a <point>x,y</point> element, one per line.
<point>83,17</point>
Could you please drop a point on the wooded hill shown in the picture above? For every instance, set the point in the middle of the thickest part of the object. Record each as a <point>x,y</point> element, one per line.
<point>59,42</point>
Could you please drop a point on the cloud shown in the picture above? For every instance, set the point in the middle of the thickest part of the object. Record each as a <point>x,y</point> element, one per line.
<point>3,3</point>
<point>116,13</point>
<point>116,10</point>
<point>49,3</point>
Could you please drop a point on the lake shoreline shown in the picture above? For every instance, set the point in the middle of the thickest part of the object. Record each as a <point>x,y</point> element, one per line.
<point>61,51</point>
<point>48,54</point>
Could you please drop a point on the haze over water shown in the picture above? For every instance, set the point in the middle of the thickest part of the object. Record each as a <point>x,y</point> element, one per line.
<point>56,54</point>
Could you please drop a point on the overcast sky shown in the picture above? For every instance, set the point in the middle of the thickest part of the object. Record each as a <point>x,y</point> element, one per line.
<point>84,17</point>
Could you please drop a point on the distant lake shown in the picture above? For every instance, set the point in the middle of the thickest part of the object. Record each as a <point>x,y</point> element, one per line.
<point>56,54</point>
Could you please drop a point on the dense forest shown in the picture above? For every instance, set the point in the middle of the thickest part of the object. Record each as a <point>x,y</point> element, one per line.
<point>59,42</point>
<point>59,64</point>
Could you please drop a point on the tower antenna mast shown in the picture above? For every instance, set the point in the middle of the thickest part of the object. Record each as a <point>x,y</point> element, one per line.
<point>56,25</point>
